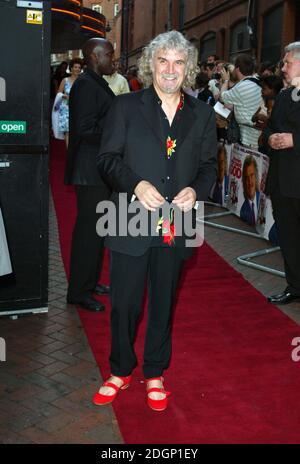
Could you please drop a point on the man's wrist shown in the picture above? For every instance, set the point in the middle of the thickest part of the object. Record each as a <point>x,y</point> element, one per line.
<point>225,87</point>
<point>193,192</point>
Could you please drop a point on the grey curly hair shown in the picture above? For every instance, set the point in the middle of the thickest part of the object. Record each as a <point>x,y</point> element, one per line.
<point>294,48</point>
<point>166,41</point>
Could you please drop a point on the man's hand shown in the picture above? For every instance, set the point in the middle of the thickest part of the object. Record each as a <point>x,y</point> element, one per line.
<point>260,120</point>
<point>286,141</point>
<point>186,199</point>
<point>148,195</point>
<point>296,82</point>
<point>281,141</point>
<point>225,76</point>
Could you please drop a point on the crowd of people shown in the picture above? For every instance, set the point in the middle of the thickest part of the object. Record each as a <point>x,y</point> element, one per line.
<point>265,115</point>
<point>64,76</point>
<point>122,80</point>
<point>248,89</point>
<point>158,146</point>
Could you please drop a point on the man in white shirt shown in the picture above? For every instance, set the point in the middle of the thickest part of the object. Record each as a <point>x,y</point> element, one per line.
<point>246,98</point>
<point>117,83</point>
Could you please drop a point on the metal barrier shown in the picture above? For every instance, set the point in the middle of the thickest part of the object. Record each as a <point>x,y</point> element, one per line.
<point>222,226</point>
<point>244,260</point>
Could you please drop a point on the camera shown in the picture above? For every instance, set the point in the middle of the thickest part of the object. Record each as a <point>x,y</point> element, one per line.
<point>217,76</point>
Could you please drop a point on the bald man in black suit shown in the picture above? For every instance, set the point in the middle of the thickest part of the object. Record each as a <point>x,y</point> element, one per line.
<point>90,99</point>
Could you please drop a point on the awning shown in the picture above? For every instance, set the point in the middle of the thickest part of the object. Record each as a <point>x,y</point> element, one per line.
<point>73,25</point>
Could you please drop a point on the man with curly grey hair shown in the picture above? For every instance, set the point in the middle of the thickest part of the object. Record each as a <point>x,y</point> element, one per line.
<point>282,136</point>
<point>159,146</point>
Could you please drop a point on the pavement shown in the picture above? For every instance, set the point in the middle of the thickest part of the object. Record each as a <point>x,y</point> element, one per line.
<point>50,375</point>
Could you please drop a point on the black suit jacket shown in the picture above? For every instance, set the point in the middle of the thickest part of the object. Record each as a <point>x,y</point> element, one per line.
<point>90,99</point>
<point>284,171</point>
<point>133,148</point>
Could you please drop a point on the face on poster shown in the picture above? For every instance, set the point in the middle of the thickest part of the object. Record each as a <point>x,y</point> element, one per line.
<point>246,173</point>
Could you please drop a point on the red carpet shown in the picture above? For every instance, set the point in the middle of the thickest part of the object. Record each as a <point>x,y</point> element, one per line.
<point>232,377</point>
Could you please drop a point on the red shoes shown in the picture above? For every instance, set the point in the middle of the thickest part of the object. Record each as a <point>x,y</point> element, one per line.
<point>157,404</point>
<point>101,399</point>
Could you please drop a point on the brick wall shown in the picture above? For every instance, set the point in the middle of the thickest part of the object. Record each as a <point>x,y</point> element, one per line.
<point>114,36</point>
<point>204,16</point>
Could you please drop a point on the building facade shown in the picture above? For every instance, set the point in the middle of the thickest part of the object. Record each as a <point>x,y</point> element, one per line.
<point>111,9</point>
<point>222,27</point>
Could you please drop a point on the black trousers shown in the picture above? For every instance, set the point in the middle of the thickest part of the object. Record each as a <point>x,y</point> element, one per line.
<point>161,268</point>
<point>87,246</point>
<point>287,217</point>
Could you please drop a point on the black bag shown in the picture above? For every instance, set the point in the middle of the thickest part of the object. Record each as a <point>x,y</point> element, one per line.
<point>233,131</point>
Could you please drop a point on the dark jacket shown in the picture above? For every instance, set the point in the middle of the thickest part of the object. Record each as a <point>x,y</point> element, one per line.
<point>133,148</point>
<point>90,99</point>
<point>284,171</point>
<point>246,211</point>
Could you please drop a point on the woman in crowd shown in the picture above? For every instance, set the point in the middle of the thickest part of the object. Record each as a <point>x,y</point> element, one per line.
<point>271,86</point>
<point>204,94</point>
<point>65,87</point>
<point>58,76</point>
<point>222,124</point>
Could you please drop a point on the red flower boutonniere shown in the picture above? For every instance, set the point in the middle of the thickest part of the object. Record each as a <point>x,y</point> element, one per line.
<point>168,229</point>
<point>171,145</point>
<point>169,233</point>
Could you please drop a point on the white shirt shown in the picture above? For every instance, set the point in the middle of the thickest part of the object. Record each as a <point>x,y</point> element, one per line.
<point>254,203</point>
<point>117,83</point>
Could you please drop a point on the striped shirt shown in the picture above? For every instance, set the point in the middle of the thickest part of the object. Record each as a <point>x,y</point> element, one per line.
<point>246,98</point>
